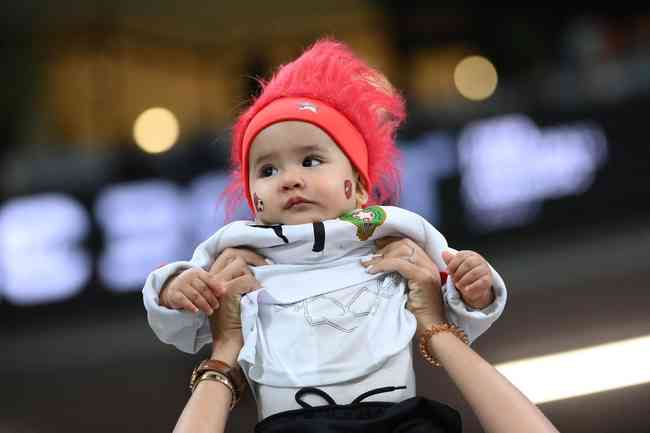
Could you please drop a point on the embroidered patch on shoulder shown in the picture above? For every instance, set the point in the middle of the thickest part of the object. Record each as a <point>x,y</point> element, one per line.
<point>366,220</point>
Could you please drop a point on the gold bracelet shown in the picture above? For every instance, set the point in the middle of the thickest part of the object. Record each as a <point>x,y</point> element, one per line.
<point>218,377</point>
<point>433,330</point>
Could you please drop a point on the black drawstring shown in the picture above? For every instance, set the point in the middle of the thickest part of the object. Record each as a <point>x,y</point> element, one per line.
<point>311,390</point>
<point>376,391</point>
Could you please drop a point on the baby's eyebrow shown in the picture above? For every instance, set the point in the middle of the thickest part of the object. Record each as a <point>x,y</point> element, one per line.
<point>299,149</point>
<point>263,157</point>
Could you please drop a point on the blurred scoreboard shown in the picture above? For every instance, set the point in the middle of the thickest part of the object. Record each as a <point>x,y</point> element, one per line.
<point>492,177</point>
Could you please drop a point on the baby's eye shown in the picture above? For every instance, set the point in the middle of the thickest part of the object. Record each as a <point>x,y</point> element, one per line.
<point>268,171</point>
<point>311,161</point>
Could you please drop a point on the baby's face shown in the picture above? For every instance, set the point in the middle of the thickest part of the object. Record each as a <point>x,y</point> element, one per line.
<point>299,175</point>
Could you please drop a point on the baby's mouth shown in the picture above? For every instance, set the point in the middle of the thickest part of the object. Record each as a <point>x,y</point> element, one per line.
<point>296,201</point>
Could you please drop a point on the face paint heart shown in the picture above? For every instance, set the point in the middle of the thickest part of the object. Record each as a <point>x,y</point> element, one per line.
<point>259,204</point>
<point>348,188</point>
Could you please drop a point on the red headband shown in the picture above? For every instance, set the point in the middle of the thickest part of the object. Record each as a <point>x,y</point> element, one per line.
<point>330,120</point>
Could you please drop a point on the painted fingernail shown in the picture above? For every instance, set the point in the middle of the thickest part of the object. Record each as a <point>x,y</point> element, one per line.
<point>269,261</point>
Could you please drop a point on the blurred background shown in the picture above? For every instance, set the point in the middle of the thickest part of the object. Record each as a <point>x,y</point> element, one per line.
<point>527,140</point>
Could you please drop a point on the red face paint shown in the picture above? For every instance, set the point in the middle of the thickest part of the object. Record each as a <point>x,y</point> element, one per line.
<point>259,204</point>
<point>348,188</point>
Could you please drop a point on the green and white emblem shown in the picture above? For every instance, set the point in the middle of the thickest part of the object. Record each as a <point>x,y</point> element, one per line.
<point>366,220</point>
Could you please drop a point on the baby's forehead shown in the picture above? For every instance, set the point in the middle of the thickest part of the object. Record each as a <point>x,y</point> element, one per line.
<point>289,148</point>
<point>291,137</point>
<point>293,131</point>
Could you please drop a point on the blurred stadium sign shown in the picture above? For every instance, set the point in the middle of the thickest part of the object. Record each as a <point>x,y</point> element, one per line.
<point>507,166</point>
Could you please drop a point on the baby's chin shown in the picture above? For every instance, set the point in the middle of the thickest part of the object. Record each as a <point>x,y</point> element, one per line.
<point>288,221</point>
<point>295,219</point>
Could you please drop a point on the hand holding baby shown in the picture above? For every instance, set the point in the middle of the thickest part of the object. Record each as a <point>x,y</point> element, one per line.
<point>235,278</point>
<point>412,262</point>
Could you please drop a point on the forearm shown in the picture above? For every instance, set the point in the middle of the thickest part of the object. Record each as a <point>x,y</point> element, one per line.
<point>207,410</point>
<point>209,406</point>
<point>499,406</point>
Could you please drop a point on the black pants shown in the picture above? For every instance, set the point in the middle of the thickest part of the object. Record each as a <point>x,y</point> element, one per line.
<point>415,415</point>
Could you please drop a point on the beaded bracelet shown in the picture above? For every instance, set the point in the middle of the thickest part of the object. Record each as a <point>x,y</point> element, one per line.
<point>433,330</point>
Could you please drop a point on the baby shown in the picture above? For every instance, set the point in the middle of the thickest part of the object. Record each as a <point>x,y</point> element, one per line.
<point>314,154</point>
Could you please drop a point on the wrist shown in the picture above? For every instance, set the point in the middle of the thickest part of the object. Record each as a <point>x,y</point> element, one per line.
<point>162,298</point>
<point>227,349</point>
<point>483,302</point>
<point>432,338</point>
<point>228,375</point>
<point>425,323</point>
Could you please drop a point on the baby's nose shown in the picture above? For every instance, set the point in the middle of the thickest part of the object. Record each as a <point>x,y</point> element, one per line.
<point>292,179</point>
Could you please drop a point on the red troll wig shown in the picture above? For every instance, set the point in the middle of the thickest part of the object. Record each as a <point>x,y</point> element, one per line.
<point>329,72</point>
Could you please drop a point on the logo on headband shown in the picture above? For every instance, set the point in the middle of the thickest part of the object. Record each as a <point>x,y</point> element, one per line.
<point>366,220</point>
<point>308,106</point>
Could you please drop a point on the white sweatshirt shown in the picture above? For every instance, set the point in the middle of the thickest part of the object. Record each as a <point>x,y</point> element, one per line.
<point>320,319</point>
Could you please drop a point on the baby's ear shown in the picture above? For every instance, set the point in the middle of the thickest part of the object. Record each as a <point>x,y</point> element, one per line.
<point>361,193</point>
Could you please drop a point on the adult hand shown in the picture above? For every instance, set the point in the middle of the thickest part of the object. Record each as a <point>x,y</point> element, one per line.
<point>409,260</point>
<point>233,278</point>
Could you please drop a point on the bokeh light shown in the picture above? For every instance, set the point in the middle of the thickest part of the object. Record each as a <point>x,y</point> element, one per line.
<point>156,130</point>
<point>475,78</point>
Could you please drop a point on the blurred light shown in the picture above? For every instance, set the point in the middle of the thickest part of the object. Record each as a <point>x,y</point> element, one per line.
<point>207,211</point>
<point>424,162</point>
<point>475,78</point>
<point>581,372</point>
<point>41,258</point>
<point>145,208</point>
<point>156,130</point>
<point>145,226</point>
<point>509,167</point>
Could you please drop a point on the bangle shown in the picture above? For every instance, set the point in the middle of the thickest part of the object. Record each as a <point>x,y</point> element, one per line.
<point>433,330</point>
<point>233,377</point>
<point>218,377</point>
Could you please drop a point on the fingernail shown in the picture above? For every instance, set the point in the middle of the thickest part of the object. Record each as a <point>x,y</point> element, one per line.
<point>371,269</point>
<point>372,257</point>
<point>269,261</point>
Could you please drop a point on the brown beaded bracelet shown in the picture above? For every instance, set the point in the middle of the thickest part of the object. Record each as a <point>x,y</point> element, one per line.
<point>433,330</point>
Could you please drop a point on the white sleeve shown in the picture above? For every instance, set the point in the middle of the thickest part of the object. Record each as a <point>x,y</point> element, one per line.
<point>473,322</point>
<point>187,331</point>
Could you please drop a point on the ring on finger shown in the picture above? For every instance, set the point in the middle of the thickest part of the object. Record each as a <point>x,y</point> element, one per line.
<point>411,257</point>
